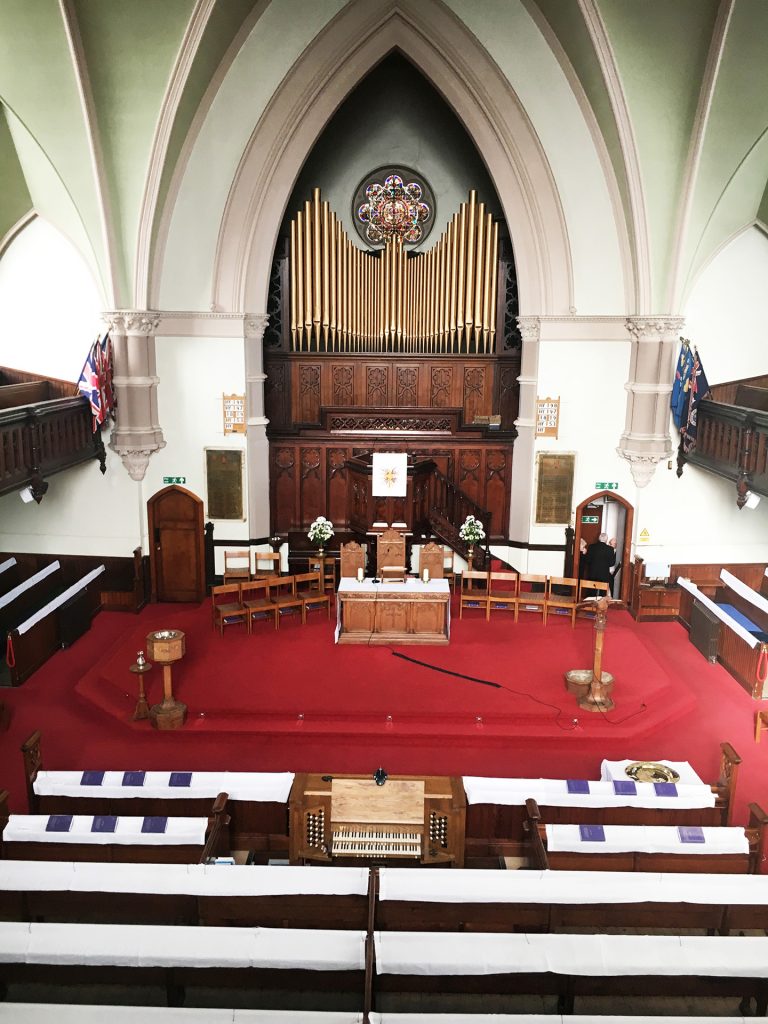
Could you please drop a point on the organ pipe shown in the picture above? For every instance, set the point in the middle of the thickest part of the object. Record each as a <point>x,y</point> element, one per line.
<point>347,300</point>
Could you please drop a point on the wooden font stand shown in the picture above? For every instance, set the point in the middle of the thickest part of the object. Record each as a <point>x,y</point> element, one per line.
<point>165,647</point>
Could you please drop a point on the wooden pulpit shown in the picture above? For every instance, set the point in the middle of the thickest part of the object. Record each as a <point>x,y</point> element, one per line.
<point>366,512</point>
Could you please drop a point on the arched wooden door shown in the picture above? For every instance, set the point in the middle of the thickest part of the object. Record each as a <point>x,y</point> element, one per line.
<point>591,508</point>
<point>176,551</point>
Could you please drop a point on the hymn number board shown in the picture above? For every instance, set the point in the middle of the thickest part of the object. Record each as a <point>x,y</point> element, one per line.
<point>547,417</point>
<point>234,414</point>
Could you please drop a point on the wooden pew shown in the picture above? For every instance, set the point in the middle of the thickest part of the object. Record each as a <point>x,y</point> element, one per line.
<point>497,830</point>
<point>257,825</point>
<point>636,860</point>
<point>215,843</point>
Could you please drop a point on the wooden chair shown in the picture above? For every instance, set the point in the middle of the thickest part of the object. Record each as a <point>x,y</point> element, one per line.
<point>448,571</point>
<point>502,592</point>
<point>474,591</point>
<point>567,595</point>
<point>233,565</point>
<point>272,558</point>
<point>390,552</point>
<point>589,589</point>
<point>310,587</point>
<point>431,558</point>
<point>255,598</point>
<point>530,600</point>
<point>226,606</point>
<point>326,566</point>
<point>282,591</point>
<point>352,559</point>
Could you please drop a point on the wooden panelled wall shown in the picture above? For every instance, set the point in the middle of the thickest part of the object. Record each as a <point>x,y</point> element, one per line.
<point>323,409</point>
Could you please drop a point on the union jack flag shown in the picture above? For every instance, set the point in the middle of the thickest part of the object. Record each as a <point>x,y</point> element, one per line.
<point>96,381</point>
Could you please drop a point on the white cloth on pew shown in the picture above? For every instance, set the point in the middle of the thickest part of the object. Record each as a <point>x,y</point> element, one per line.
<point>182,946</point>
<point>7,564</point>
<point>480,953</point>
<point>257,787</point>
<point>741,588</point>
<point>718,611</point>
<point>181,879</point>
<point>610,770</point>
<point>60,1013</point>
<point>30,828</point>
<point>26,584</point>
<point>645,839</point>
<point>554,793</point>
<point>570,887</point>
<point>57,602</point>
<point>530,1018</point>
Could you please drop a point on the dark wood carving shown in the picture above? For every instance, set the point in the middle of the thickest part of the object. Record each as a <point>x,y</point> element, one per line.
<point>342,385</point>
<point>474,392</point>
<point>407,384</point>
<point>376,385</point>
<point>309,393</point>
<point>442,380</point>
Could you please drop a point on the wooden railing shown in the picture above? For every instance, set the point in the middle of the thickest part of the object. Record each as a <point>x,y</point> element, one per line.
<point>733,443</point>
<point>449,506</point>
<point>43,438</point>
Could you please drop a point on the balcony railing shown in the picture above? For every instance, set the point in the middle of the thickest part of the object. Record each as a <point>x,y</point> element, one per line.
<point>41,439</point>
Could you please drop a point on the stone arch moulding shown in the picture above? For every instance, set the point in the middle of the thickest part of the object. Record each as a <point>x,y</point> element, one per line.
<point>472,85</point>
<point>621,556</point>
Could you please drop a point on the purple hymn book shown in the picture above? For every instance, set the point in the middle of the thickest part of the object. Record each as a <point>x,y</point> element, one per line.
<point>181,779</point>
<point>690,834</point>
<point>92,778</point>
<point>622,788</point>
<point>104,823</point>
<point>59,823</point>
<point>133,778</point>
<point>665,788</point>
<point>577,786</point>
<point>154,826</point>
<point>592,833</point>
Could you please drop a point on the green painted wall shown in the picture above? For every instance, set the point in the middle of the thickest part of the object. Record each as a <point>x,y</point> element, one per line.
<point>15,200</point>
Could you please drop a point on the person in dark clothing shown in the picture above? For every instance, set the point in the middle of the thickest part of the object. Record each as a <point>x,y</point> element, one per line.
<point>601,557</point>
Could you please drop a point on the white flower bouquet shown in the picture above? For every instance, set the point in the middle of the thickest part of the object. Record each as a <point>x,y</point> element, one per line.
<point>472,530</point>
<point>320,531</point>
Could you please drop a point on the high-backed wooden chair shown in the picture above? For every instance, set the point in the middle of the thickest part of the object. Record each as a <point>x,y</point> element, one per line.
<point>326,566</point>
<point>256,600</point>
<point>352,559</point>
<point>237,565</point>
<point>502,593</point>
<point>474,591</point>
<point>534,591</point>
<point>310,587</point>
<point>431,558</point>
<point>390,551</point>
<point>226,606</point>
<point>282,591</point>
<point>266,564</point>
<point>563,593</point>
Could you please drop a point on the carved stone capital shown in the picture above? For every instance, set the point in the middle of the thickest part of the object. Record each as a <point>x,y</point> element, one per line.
<point>654,328</point>
<point>255,325</point>
<point>642,467</point>
<point>530,327</point>
<point>136,460</point>
<point>142,322</point>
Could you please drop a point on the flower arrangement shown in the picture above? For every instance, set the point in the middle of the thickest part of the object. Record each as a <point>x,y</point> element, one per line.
<point>472,531</point>
<point>320,531</point>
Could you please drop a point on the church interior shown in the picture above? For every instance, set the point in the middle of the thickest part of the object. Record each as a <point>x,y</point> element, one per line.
<point>383,511</point>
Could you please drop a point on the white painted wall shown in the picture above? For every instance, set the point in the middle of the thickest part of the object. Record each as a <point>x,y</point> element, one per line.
<point>49,304</point>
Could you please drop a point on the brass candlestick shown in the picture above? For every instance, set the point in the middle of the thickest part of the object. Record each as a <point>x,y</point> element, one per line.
<point>140,669</point>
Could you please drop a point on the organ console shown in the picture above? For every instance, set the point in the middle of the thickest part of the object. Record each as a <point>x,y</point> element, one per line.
<point>342,819</point>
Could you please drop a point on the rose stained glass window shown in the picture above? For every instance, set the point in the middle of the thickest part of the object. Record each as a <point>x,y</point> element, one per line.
<point>394,209</point>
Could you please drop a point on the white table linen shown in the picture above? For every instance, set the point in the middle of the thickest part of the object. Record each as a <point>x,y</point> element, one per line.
<point>645,839</point>
<point>255,787</point>
<point>349,585</point>
<point>449,953</point>
<point>610,770</point>
<point>60,1013</point>
<point>554,793</point>
<point>571,887</point>
<point>30,828</point>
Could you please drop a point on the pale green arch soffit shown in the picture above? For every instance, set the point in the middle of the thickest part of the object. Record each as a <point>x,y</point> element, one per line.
<point>15,200</point>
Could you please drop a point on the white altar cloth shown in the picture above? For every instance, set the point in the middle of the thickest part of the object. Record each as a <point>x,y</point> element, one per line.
<point>250,786</point>
<point>30,828</point>
<point>645,839</point>
<point>554,793</point>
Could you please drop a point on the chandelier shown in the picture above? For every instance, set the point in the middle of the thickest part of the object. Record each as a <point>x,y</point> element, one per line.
<point>393,210</point>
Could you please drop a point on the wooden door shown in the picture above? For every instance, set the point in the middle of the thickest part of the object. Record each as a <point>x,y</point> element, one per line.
<point>177,558</point>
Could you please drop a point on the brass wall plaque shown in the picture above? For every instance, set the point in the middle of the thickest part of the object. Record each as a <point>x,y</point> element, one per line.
<point>224,483</point>
<point>554,487</point>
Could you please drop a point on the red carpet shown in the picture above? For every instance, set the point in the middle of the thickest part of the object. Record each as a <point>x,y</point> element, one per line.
<point>295,700</point>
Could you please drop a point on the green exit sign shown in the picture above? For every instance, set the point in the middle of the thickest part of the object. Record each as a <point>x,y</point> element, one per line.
<point>174,479</point>
<point>601,485</point>
<point>590,519</point>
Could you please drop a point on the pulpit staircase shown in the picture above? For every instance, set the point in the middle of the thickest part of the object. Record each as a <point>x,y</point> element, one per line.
<point>449,506</point>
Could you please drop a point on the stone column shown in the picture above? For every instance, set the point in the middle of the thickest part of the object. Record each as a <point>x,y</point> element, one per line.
<point>136,434</point>
<point>646,441</point>
<point>256,432</point>
<point>523,461</point>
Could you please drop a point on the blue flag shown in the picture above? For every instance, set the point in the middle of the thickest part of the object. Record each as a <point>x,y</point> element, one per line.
<point>679,400</point>
<point>698,389</point>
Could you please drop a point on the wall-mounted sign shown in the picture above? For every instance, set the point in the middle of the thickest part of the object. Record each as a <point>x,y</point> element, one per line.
<point>601,486</point>
<point>644,537</point>
<point>547,417</point>
<point>590,519</point>
<point>234,414</point>
<point>174,479</point>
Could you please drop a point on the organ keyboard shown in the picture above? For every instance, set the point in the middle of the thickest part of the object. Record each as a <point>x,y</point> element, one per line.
<point>341,819</point>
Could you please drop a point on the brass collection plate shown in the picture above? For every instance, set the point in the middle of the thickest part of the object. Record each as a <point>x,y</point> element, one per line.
<point>651,771</point>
